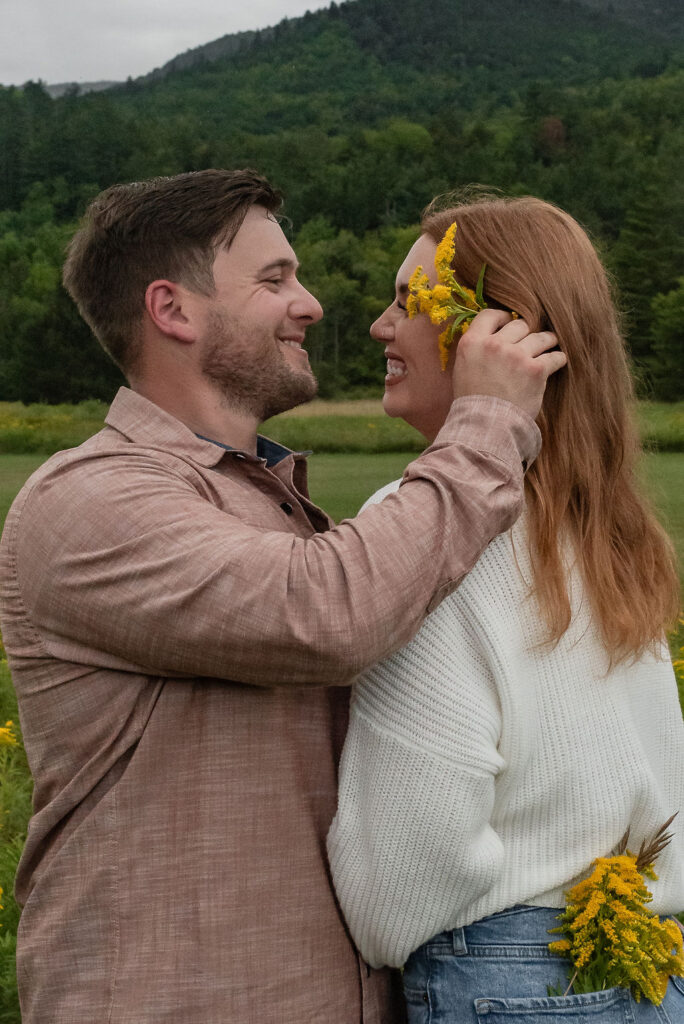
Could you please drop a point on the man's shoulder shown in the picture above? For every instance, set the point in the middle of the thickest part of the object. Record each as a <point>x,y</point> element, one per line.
<point>82,479</point>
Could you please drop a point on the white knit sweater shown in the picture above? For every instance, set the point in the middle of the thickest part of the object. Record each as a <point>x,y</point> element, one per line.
<point>482,770</point>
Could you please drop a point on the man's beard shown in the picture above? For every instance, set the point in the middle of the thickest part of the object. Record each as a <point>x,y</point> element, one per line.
<point>252,374</point>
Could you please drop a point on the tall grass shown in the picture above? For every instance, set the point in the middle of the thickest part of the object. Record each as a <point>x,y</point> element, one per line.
<point>355,426</point>
<point>15,808</point>
<point>25,429</point>
<point>661,425</point>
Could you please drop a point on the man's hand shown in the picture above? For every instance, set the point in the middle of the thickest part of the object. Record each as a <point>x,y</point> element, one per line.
<point>499,356</point>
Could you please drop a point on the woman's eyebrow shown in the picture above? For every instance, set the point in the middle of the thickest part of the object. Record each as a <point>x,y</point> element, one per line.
<point>402,288</point>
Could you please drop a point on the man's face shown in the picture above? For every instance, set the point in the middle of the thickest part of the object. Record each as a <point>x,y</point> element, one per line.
<point>256,322</point>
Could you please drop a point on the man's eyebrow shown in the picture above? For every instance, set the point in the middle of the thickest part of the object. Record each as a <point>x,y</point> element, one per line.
<point>279,265</point>
<point>403,288</point>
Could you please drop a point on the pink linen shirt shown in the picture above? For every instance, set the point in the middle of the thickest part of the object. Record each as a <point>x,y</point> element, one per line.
<point>182,624</point>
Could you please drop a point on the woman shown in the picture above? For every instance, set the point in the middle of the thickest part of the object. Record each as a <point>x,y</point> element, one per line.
<point>534,718</point>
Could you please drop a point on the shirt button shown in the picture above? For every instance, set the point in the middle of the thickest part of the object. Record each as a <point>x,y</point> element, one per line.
<point>287,508</point>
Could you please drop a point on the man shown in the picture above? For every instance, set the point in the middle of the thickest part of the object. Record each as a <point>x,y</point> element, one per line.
<point>181,621</point>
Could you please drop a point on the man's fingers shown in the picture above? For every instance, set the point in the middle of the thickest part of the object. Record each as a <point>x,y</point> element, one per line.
<point>513,331</point>
<point>553,361</point>
<point>490,321</point>
<point>540,341</point>
<point>499,356</point>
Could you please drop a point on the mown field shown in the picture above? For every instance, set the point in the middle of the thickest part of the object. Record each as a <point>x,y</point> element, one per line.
<point>374,450</point>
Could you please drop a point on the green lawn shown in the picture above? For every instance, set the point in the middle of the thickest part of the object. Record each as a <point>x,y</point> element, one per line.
<point>664,474</point>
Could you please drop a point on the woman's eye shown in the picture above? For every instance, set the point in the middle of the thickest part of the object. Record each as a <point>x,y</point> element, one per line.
<point>399,306</point>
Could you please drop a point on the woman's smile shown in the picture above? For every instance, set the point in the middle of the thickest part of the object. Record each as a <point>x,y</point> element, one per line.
<point>396,369</point>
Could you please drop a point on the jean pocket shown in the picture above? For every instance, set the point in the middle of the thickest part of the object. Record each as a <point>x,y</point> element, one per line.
<point>678,983</point>
<point>611,1006</point>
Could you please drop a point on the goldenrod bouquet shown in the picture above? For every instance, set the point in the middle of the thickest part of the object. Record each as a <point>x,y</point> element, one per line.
<point>611,938</point>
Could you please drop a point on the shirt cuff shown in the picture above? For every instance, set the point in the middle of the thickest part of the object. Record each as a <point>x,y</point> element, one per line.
<point>492,425</point>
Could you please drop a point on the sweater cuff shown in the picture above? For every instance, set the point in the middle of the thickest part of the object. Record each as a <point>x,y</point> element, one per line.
<point>492,425</point>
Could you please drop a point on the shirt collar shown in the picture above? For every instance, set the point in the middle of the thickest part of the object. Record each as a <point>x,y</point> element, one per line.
<point>268,451</point>
<point>146,424</point>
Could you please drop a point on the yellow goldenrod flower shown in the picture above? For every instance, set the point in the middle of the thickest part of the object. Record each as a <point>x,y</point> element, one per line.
<point>444,255</point>
<point>7,736</point>
<point>560,946</point>
<point>441,293</point>
<point>584,954</point>
<point>418,279</point>
<point>444,342</point>
<point>611,938</point>
<point>438,314</point>
<point>448,300</point>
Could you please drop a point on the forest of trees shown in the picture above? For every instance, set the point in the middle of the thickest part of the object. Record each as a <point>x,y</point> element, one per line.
<point>361,113</point>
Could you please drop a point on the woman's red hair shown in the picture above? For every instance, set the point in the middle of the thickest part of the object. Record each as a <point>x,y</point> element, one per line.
<point>583,484</point>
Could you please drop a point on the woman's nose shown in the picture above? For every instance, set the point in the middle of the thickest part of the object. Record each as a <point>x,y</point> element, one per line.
<point>382,330</point>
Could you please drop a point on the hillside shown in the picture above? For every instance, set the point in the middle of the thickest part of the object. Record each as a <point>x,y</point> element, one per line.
<point>361,113</point>
<point>664,20</point>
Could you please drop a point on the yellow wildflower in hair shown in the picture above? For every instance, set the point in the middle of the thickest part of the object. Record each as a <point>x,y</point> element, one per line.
<point>448,300</point>
<point>611,938</point>
<point>444,256</point>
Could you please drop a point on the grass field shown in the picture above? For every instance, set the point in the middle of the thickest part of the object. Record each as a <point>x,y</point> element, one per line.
<point>324,426</point>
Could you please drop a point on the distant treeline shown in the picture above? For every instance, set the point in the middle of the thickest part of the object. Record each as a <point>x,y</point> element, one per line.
<point>361,113</point>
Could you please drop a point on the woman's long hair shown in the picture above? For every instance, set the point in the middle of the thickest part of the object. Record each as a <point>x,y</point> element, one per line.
<point>541,264</point>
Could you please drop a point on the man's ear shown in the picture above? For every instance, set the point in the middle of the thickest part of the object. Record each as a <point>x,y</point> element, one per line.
<point>170,311</point>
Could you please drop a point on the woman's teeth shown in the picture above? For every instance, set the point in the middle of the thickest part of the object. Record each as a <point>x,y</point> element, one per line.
<point>396,368</point>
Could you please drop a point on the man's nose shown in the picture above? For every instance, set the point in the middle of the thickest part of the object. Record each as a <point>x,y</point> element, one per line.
<point>306,307</point>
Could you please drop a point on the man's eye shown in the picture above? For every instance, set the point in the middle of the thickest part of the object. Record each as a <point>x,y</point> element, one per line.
<point>274,280</point>
<point>399,305</point>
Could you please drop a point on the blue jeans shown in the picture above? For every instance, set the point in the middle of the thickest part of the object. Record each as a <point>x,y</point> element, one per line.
<point>497,970</point>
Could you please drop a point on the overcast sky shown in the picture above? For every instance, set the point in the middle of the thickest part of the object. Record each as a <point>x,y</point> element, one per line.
<point>94,40</point>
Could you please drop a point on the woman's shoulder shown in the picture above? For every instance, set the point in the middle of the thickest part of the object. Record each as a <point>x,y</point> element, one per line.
<point>376,498</point>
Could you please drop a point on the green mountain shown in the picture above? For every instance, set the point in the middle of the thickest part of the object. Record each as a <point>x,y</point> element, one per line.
<point>463,26</point>
<point>361,112</point>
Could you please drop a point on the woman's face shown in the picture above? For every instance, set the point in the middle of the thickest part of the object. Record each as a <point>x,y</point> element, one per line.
<point>416,389</point>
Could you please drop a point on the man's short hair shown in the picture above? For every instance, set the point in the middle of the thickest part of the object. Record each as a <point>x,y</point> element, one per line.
<point>162,228</point>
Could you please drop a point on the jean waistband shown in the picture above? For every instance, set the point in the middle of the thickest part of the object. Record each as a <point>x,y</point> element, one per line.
<point>519,925</point>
